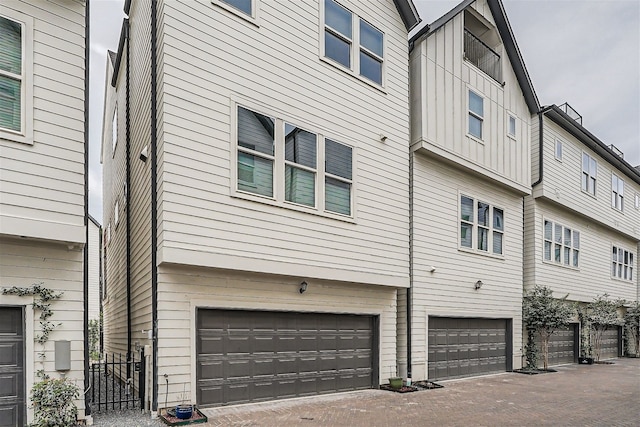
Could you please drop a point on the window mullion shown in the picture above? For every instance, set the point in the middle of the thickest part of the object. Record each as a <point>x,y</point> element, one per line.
<point>320,175</point>
<point>278,166</point>
<point>355,51</point>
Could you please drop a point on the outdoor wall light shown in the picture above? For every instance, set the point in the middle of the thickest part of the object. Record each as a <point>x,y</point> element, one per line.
<point>144,155</point>
<point>432,269</point>
<point>478,285</point>
<point>303,287</point>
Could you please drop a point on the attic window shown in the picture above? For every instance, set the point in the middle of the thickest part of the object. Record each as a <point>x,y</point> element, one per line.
<point>480,44</point>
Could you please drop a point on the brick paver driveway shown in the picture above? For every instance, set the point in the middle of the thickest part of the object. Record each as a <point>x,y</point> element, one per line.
<point>577,395</point>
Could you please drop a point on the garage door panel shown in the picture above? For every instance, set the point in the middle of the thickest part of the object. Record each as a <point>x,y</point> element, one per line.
<point>609,345</point>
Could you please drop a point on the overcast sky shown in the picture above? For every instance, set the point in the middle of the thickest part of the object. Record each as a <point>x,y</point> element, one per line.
<point>584,52</point>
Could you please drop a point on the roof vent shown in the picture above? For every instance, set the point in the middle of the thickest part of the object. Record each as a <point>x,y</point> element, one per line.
<point>569,111</point>
<point>618,152</point>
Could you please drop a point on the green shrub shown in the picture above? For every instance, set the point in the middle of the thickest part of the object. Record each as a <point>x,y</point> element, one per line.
<point>53,403</point>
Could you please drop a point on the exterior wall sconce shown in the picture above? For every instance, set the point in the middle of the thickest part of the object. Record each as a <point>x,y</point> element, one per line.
<point>303,287</point>
<point>144,155</point>
<point>432,269</point>
<point>478,285</point>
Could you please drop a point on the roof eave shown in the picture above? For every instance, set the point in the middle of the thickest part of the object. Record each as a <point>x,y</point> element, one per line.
<point>408,13</point>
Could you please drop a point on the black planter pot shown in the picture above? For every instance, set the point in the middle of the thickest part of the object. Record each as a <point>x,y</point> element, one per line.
<point>585,360</point>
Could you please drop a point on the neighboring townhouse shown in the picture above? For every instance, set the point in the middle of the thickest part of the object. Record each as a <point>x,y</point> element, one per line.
<point>43,195</point>
<point>256,205</point>
<point>472,103</point>
<point>582,222</point>
<point>94,267</point>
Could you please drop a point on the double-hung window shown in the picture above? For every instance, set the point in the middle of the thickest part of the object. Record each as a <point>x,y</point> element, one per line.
<point>486,222</point>
<point>476,114</point>
<point>617,192</point>
<point>292,166</point>
<point>589,174</point>
<point>12,76</point>
<point>561,244</point>
<point>558,150</point>
<point>342,31</point>
<point>622,263</point>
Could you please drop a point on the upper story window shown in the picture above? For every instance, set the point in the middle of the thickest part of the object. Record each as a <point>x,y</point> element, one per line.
<point>511,125</point>
<point>116,213</point>
<point>558,149</point>
<point>245,9</point>
<point>622,263</point>
<point>12,76</point>
<point>561,244</point>
<point>245,6</point>
<point>617,192</point>
<point>292,165</point>
<point>637,201</point>
<point>476,114</point>
<point>484,221</point>
<point>342,31</point>
<point>114,130</point>
<point>589,174</point>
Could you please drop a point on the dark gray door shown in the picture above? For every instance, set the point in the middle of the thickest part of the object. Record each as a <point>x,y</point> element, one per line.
<point>11,367</point>
<point>562,346</point>
<point>250,356</point>
<point>461,347</point>
<point>610,343</point>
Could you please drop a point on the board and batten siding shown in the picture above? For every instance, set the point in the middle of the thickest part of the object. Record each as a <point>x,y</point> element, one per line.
<point>60,269</point>
<point>42,181</point>
<point>449,290</point>
<point>214,59</point>
<point>562,183</point>
<point>183,289</point>
<point>440,82</point>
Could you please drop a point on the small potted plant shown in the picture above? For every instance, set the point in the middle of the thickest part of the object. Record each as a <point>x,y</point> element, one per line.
<point>184,410</point>
<point>394,381</point>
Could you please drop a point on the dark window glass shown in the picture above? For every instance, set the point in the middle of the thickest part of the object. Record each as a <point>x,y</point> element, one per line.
<point>241,5</point>
<point>370,68</point>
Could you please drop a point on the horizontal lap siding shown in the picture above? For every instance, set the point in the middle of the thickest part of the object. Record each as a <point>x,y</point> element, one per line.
<point>45,181</point>
<point>278,65</point>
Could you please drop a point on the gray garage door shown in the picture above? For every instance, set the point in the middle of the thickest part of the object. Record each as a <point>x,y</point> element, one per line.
<point>562,346</point>
<point>250,356</point>
<point>11,367</point>
<point>461,347</point>
<point>610,346</point>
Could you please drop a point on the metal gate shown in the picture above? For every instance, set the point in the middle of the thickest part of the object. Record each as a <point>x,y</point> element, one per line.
<point>117,383</point>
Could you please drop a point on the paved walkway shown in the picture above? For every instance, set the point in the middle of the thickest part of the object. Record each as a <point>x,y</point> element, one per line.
<point>577,395</point>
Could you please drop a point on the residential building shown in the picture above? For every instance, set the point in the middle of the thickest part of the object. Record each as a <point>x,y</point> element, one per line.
<point>43,195</point>
<point>256,195</point>
<point>582,222</point>
<point>94,267</point>
<point>471,107</point>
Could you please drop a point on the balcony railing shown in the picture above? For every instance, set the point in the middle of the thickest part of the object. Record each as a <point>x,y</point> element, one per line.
<point>482,56</point>
<point>569,111</point>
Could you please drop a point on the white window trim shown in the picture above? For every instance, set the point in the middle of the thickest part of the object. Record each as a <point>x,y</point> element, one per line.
<point>572,248</point>
<point>252,19</point>
<point>637,201</point>
<point>114,131</point>
<point>510,116</point>
<point>559,142</point>
<point>116,213</point>
<point>632,264</point>
<point>595,186</point>
<point>25,135</point>
<point>615,195</point>
<point>278,198</point>
<point>354,70</point>
<point>474,240</point>
<point>482,118</point>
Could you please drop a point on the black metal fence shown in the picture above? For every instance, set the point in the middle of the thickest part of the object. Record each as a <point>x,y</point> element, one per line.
<point>117,383</point>
<point>482,56</point>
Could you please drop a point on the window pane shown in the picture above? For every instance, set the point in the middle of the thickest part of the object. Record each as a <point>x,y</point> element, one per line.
<point>512,126</point>
<point>615,254</point>
<point>585,182</point>
<point>466,235</point>
<point>255,131</point>
<point>370,68</point>
<point>475,126</point>
<point>613,269</point>
<point>556,252</point>
<point>10,46</point>
<point>476,104</point>
<point>576,240</point>
<point>337,196</point>
<point>558,149</point>
<point>338,159</point>
<point>567,236</point>
<point>567,253</point>
<point>558,233</point>
<point>371,38</point>
<point>255,174</point>
<point>242,5</point>
<point>300,146</point>
<point>548,230</point>
<point>483,213</point>
<point>620,255</point>
<point>497,242</point>
<point>337,17</point>
<point>483,239</point>
<point>466,209</point>
<point>593,169</point>
<point>576,256</point>
<point>626,257</point>
<point>498,219</point>
<point>337,49</point>
<point>547,251</point>
<point>592,185</point>
<point>10,99</point>
<point>626,269</point>
<point>585,162</point>
<point>300,186</point>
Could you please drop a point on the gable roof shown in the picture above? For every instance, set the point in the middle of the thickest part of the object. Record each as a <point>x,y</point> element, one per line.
<point>408,13</point>
<point>508,40</point>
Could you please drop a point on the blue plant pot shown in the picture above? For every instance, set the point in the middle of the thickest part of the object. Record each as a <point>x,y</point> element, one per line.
<point>184,412</point>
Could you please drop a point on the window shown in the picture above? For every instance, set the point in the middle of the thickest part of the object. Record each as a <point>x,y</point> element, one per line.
<point>476,114</point>
<point>280,161</point>
<point>342,30</point>
<point>116,214</point>
<point>637,201</point>
<point>107,234</point>
<point>511,129</point>
<point>114,130</point>
<point>561,244</point>
<point>243,6</point>
<point>558,149</point>
<point>484,221</point>
<point>617,192</point>
<point>622,264</point>
<point>589,174</point>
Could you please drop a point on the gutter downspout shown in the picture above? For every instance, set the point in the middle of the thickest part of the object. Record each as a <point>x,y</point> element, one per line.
<point>410,290</point>
<point>85,273</point>
<point>127,196</point>
<point>540,150</point>
<point>154,200</point>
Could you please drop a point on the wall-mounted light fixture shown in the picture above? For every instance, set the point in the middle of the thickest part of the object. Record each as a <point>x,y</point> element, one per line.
<point>383,137</point>
<point>432,269</point>
<point>478,285</point>
<point>303,287</point>
<point>144,154</point>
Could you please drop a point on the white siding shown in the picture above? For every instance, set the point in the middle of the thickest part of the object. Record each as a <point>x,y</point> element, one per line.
<point>95,254</point>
